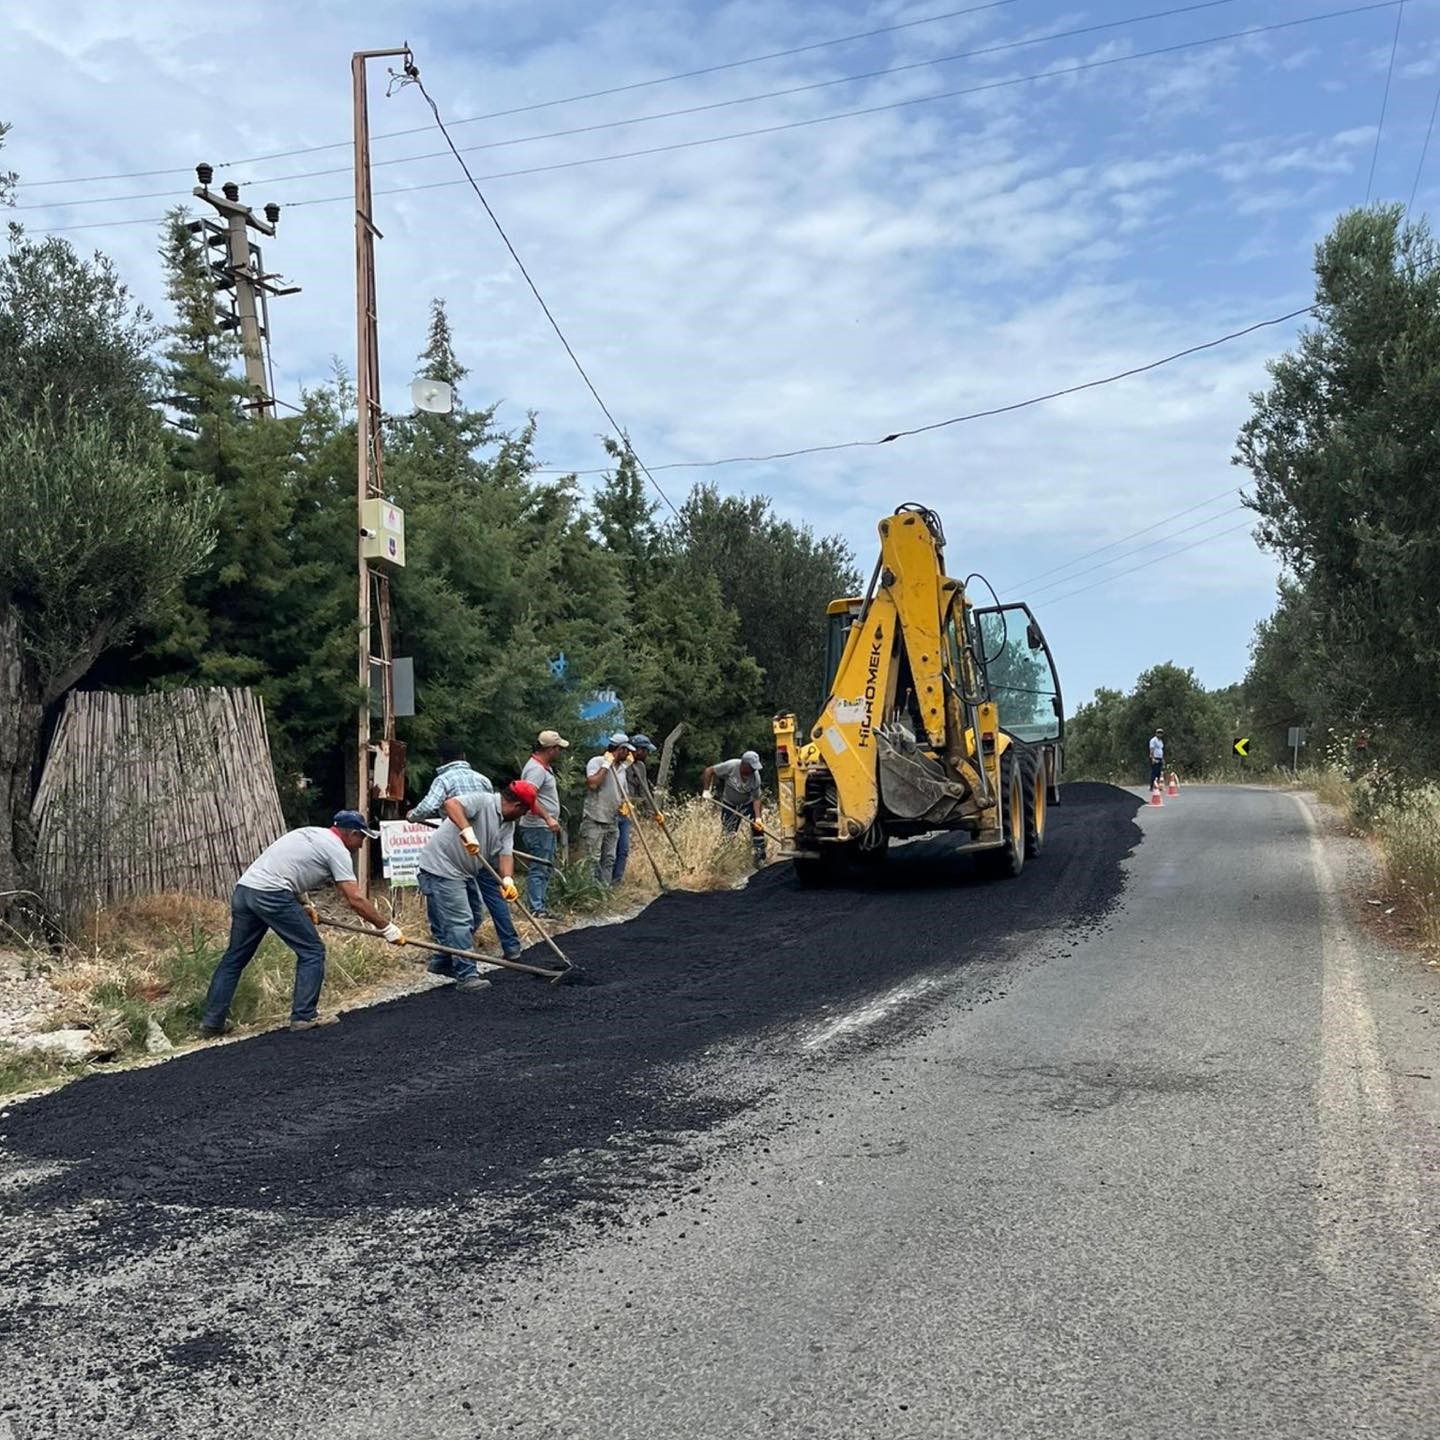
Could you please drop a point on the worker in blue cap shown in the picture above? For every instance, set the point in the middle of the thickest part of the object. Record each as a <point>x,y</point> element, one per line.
<point>637,797</point>
<point>605,793</point>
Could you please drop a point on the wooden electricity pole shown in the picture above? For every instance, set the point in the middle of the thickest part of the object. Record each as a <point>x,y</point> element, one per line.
<point>370,469</point>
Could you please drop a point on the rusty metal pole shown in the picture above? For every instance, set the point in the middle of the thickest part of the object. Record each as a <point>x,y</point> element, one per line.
<point>369,472</point>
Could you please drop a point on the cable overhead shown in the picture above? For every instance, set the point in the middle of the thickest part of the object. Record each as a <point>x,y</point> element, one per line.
<point>412,75</point>
<point>1170,554</point>
<point>1052,74</point>
<point>1424,151</point>
<point>1134,535</point>
<point>550,104</point>
<point>688,110</point>
<point>1138,550</point>
<point>1384,101</point>
<point>957,419</point>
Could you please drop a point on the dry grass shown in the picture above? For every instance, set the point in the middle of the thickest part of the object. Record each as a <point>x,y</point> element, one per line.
<point>1409,834</point>
<point>702,857</point>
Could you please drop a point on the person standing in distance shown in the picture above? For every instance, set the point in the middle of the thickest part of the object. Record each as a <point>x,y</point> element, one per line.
<point>1157,756</point>
<point>539,832</point>
<point>739,795</point>
<point>637,793</point>
<point>271,895</point>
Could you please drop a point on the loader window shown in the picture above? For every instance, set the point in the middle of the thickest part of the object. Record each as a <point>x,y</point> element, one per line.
<point>1019,672</point>
<point>837,631</point>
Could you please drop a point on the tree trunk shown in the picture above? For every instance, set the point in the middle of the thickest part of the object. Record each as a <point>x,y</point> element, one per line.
<point>21,725</point>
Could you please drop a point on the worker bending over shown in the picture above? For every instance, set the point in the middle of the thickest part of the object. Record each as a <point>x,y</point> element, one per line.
<point>539,833</point>
<point>477,827</point>
<point>739,797</point>
<point>271,895</point>
<point>605,793</point>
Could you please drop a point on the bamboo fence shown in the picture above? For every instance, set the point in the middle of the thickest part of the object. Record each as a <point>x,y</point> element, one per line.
<point>149,794</point>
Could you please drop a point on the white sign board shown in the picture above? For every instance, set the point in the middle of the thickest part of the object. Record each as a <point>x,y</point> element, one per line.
<point>1297,737</point>
<point>401,842</point>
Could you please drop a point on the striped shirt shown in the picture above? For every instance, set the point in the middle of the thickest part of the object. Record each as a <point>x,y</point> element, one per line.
<point>451,782</point>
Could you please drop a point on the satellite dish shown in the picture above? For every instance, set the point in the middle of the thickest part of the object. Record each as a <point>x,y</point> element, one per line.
<point>434,396</point>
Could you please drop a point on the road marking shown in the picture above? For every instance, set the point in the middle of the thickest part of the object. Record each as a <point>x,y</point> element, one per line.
<point>867,1015</point>
<point>1369,1189</point>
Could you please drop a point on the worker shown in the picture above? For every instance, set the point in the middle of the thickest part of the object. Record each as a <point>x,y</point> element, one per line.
<point>739,795</point>
<point>637,796</point>
<point>477,827</point>
<point>538,834</point>
<point>272,895</point>
<point>605,791</point>
<point>453,778</point>
<point>1157,756</point>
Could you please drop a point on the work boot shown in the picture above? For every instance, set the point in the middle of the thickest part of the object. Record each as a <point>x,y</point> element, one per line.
<point>214,1032</point>
<point>317,1023</point>
<point>472,983</point>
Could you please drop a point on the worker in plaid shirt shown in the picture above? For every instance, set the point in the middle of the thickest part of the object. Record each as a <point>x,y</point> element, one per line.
<point>453,780</point>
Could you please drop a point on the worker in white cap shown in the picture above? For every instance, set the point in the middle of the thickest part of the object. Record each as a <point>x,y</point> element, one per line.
<point>740,796</point>
<point>606,790</point>
<point>538,834</point>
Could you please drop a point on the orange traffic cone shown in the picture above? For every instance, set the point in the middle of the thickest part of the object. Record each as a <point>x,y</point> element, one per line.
<point>1155,796</point>
<point>1173,788</point>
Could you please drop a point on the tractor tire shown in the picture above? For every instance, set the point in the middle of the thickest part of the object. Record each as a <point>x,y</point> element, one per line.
<point>1009,860</point>
<point>1037,801</point>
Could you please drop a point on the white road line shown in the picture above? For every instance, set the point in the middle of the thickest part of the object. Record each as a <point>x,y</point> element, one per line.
<point>867,1015</point>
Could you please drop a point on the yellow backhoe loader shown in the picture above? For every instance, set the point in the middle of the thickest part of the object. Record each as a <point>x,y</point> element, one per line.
<point>940,716</point>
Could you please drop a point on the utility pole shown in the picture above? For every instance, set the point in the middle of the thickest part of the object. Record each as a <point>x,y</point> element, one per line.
<point>241,269</point>
<point>377,537</point>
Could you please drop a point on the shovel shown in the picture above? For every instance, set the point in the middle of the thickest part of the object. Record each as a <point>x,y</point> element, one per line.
<point>749,819</point>
<point>555,977</point>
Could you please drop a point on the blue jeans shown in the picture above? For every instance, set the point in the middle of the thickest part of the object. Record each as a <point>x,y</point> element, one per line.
<point>622,851</point>
<point>456,910</point>
<point>543,843</point>
<point>252,913</point>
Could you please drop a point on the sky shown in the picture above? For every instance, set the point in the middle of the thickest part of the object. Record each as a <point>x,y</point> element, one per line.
<point>996,226</point>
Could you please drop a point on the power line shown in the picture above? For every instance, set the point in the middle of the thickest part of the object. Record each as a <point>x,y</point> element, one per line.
<point>1124,539</point>
<point>959,419</point>
<point>1385,100</point>
<point>1138,550</point>
<point>563,100</point>
<point>1052,74</point>
<point>1424,151</point>
<point>1169,555</point>
<point>414,76</point>
<point>688,110</point>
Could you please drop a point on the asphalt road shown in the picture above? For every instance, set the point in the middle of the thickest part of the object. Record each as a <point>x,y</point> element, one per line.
<point>1143,1143</point>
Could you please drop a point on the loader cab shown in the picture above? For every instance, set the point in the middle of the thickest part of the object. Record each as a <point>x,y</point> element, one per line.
<point>1020,674</point>
<point>840,617</point>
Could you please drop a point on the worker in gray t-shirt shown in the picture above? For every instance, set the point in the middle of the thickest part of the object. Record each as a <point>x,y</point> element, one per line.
<point>739,796</point>
<point>538,835</point>
<point>477,827</point>
<point>271,895</point>
<point>605,792</point>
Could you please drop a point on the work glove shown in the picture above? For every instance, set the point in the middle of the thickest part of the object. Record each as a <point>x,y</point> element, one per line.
<point>394,934</point>
<point>313,913</point>
<point>659,819</point>
<point>607,761</point>
<point>468,840</point>
<point>626,809</point>
<point>508,888</point>
<point>757,826</point>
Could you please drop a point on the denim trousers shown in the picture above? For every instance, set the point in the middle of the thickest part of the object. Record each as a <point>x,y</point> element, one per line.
<point>541,842</point>
<point>252,913</point>
<point>622,850</point>
<point>456,910</point>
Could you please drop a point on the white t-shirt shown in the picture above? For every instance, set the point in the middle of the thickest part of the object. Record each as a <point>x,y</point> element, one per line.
<point>305,859</point>
<point>1157,748</point>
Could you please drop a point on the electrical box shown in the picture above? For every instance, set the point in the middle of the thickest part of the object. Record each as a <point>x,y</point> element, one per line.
<point>384,542</point>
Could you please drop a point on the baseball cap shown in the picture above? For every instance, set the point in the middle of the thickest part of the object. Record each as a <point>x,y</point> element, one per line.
<point>526,793</point>
<point>641,742</point>
<point>751,759</point>
<point>353,820</point>
<point>553,737</point>
<point>618,738</point>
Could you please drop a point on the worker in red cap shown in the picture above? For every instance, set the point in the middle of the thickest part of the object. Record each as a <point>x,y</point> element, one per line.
<point>480,825</point>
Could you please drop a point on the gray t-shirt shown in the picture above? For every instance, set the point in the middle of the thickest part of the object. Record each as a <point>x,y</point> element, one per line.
<point>305,859</point>
<point>542,777</point>
<point>737,792</point>
<point>603,805</point>
<point>444,853</point>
